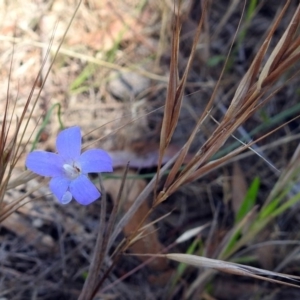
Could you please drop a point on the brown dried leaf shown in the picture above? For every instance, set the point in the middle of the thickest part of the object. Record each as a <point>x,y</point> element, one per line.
<point>114,26</point>
<point>266,255</point>
<point>239,187</point>
<point>162,278</point>
<point>149,243</point>
<point>106,38</point>
<point>146,157</point>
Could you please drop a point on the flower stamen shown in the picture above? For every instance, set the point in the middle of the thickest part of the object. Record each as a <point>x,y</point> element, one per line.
<point>72,172</point>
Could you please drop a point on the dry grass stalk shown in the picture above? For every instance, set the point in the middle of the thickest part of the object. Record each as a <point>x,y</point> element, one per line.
<point>175,87</point>
<point>247,99</point>
<point>287,176</point>
<point>231,268</point>
<point>184,151</point>
<point>11,150</point>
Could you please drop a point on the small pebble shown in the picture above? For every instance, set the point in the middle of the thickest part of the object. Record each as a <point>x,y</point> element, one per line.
<point>127,85</point>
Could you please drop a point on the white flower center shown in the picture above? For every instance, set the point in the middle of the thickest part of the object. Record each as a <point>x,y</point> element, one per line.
<point>72,171</point>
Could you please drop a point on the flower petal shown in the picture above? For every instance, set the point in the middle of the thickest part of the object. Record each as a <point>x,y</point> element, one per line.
<point>95,161</point>
<point>45,163</point>
<point>68,143</point>
<point>59,187</point>
<point>66,198</point>
<point>83,190</point>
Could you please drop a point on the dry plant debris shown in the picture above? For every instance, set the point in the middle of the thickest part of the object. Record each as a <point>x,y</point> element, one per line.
<point>113,78</point>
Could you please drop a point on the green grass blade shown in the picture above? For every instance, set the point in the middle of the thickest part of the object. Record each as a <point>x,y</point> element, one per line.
<point>249,200</point>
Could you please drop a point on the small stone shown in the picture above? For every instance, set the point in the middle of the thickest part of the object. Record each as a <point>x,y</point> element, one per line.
<point>126,86</point>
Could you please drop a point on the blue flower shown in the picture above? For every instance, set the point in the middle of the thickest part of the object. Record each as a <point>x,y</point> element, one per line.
<point>69,168</point>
